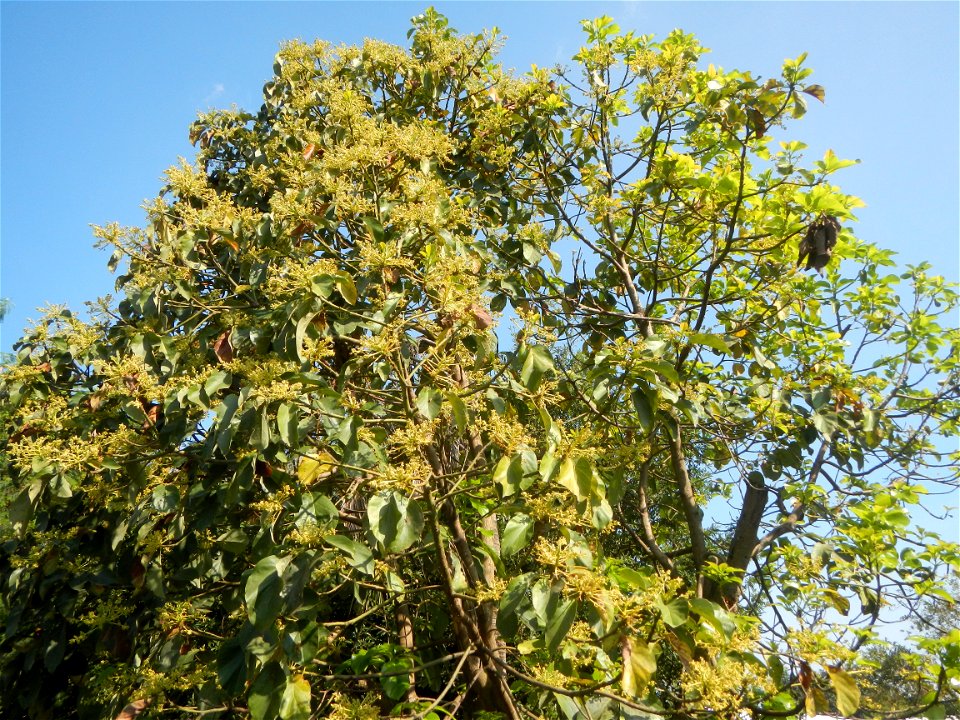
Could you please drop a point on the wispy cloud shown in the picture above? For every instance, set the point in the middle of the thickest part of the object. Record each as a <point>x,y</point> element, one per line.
<point>218,90</point>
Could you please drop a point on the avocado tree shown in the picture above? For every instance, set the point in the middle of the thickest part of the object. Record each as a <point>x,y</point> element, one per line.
<point>437,391</point>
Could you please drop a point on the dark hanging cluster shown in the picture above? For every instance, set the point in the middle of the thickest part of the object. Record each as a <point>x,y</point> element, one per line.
<point>818,242</point>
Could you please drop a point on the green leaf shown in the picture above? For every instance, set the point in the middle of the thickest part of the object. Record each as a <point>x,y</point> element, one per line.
<point>267,691</point>
<point>397,683</point>
<point>536,362</point>
<point>288,421</point>
<point>458,409</point>
<point>317,509</point>
<point>775,669</point>
<point>358,556</point>
<point>848,694</point>
<point>429,402</point>
<point>260,435</point>
<point>826,423</point>
<point>558,624</point>
<point>395,521</point>
<point>719,618</point>
<point>262,592</point>
<point>516,534</point>
<point>21,509</point>
<point>216,382</point>
<point>714,342</point>
<point>645,403</point>
<point>166,498</point>
<point>295,704</point>
<point>511,602</point>
<point>674,613</point>
<point>374,228</point>
<point>322,285</point>
<point>577,476</point>
<point>508,475</point>
<point>232,667</point>
<point>303,324</point>
<point>234,541</point>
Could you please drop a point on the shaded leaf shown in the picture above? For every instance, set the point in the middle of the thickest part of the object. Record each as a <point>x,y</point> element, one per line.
<point>397,683</point>
<point>262,592</point>
<point>558,624</point>
<point>267,691</point>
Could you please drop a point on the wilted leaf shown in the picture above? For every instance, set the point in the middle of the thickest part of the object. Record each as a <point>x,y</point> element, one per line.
<point>133,709</point>
<point>222,348</point>
<point>816,91</point>
<point>482,318</point>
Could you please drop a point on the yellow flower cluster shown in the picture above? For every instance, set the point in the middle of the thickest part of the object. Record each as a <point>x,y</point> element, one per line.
<point>412,436</point>
<point>721,687</point>
<point>405,477</point>
<point>342,707</point>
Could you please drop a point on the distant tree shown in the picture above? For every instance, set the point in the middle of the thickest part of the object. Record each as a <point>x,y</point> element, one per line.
<point>304,468</point>
<point>906,677</point>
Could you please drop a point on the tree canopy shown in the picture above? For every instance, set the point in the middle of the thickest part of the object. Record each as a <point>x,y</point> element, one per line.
<point>436,390</point>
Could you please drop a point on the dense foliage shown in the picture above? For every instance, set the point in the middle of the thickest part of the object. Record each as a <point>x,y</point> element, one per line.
<point>359,439</point>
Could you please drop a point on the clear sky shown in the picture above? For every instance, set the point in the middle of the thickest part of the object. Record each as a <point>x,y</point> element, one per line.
<point>97,98</point>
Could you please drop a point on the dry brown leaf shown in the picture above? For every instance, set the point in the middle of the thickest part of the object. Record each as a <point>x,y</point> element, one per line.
<point>132,709</point>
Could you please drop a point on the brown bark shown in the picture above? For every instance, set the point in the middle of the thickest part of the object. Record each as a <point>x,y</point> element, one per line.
<point>406,641</point>
<point>691,510</point>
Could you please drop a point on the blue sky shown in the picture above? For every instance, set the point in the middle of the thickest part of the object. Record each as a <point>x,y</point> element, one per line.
<point>97,98</point>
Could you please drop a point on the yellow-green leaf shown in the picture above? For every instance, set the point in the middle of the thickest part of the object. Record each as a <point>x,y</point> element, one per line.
<point>848,694</point>
<point>316,467</point>
<point>347,288</point>
<point>639,665</point>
